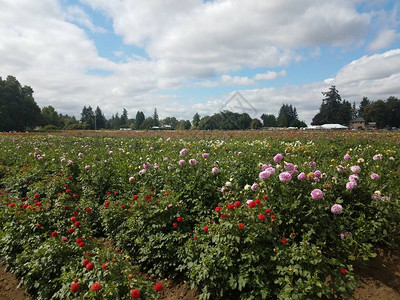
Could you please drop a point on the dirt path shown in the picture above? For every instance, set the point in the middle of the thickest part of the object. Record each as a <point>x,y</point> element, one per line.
<point>8,287</point>
<point>381,280</point>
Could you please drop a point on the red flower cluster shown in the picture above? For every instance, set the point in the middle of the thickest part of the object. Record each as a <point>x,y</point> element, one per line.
<point>261,217</point>
<point>241,226</point>
<point>158,287</point>
<point>135,294</point>
<point>96,286</point>
<point>75,287</point>
<point>90,266</point>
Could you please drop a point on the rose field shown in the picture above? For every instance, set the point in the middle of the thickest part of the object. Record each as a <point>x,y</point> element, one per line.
<point>238,215</point>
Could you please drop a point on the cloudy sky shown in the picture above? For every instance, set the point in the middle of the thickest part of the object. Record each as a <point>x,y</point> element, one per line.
<point>187,56</point>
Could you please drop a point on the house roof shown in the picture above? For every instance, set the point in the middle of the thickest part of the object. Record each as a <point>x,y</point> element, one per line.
<point>359,119</point>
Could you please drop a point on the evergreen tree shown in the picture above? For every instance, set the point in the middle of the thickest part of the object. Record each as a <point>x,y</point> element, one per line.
<point>139,119</point>
<point>333,110</point>
<point>99,118</point>
<point>123,120</point>
<point>196,120</point>
<point>364,103</point>
<point>156,121</point>
<point>87,118</point>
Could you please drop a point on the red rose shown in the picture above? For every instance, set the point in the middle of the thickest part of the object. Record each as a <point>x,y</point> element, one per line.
<point>106,204</point>
<point>158,287</point>
<point>258,202</point>
<point>73,219</point>
<point>268,211</point>
<point>238,204</point>
<point>54,233</point>
<point>75,213</point>
<point>218,208</point>
<point>252,204</point>
<point>241,226</point>
<point>205,228</point>
<point>195,237</point>
<point>67,191</point>
<point>79,240</point>
<point>261,217</point>
<point>81,244</point>
<point>38,226</point>
<point>12,205</point>
<point>76,196</point>
<point>105,265</point>
<point>223,216</point>
<point>77,224</point>
<point>36,196</point>
<point>88,209</point>
<point>343,271</point>
<point>96,286</point>
<point>284,241</point>
<point>75,287</point>
<point>135,197</point>
<point>85,262</point>
<point>135,294</point>
<point>71,230</point>
<point>64,239</point>
<point>174,224</point>
<point>231,206</point>
<point>90,266</point>
<point>179,219</point>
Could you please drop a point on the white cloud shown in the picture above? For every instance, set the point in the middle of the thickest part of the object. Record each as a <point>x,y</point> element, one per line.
<point>367,68</point>
<point>227,80</point>
<point>270,75</point>
<point>384,39</point>
<point>376,77</point>
<point>77,15</point>
<point>200,40</point>
<point>186,41</point>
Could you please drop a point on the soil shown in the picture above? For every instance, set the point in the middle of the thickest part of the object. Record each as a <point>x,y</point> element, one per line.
<point>8,287</point>
<point>381,278</point>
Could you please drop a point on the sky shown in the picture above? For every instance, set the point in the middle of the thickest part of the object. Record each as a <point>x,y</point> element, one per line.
<point>188,56</point>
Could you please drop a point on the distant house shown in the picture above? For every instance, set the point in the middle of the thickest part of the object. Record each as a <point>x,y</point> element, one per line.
<point>371,125</point>
<point>357,123</point>
<point>360,124</point>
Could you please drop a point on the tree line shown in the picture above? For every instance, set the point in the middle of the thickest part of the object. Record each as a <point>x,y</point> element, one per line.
<point>19,112</point>
<point>334,110</point>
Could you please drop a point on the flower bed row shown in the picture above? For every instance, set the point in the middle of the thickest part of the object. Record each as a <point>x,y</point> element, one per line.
<point>239,218</point>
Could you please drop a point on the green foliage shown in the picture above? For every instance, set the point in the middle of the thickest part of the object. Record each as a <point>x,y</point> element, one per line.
<point>333,110</point>
<point>18,109</point>
<point>197,209</point>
